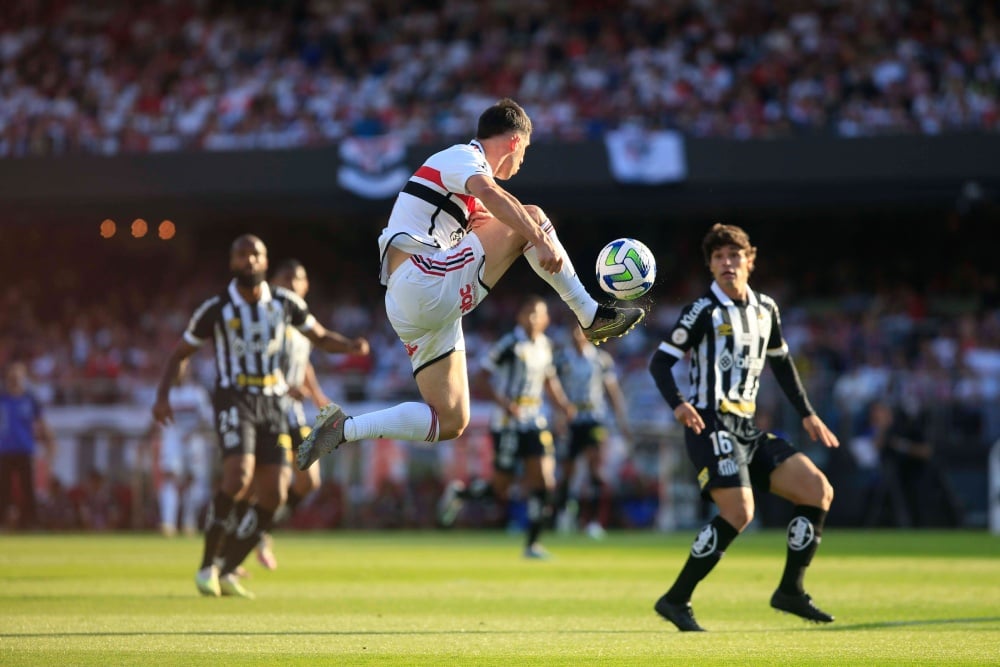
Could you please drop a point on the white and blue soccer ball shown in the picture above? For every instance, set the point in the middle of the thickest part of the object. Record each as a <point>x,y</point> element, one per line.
<point>626,269</point>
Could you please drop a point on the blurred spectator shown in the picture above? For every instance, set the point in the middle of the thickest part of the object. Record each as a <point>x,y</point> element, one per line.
<point>124,77</point>
<point>913,483</point>
<point>22,429</point>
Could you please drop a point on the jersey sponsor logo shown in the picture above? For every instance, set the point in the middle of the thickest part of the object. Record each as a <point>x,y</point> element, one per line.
<point>750,363</point>
<point>800,533</point>
<point>724,329</point>
<point>468,300</point>
<point>702,478</point>
<point>725,360</point>
<point>688,320</point>
<point>410,349</point>
<point>728,467</point>
<point>241,347</point>
<point>679,336</point>
<point>704,544</point>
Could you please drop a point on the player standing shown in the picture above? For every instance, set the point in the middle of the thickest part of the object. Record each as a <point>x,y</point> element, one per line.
<point>730,332</point>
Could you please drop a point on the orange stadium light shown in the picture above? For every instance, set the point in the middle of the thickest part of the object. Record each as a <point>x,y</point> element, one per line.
<point>139,228</point>
<point>166,230</point>
<point>108,228</point>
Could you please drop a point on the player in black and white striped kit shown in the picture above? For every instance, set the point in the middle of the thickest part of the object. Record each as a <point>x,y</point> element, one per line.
<point>728,335</point>
<point>302,384</point>
<point>247,324</point>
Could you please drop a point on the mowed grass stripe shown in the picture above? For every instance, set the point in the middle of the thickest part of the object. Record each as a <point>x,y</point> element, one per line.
<point>469,598</point>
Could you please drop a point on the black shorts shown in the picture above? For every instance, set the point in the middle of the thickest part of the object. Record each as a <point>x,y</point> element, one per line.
<point>733,452</point>
<point>251,424</point>
<point>583,436</point>
<point>509,446</point>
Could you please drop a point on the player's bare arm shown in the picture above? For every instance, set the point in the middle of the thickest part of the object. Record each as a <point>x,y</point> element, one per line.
<point>335,342</point>
<point>163,414</point>
<point>686,414</point>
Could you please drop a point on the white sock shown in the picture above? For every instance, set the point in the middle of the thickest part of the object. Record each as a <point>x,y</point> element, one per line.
<point>566,283</point>
<point>195,498</point>
<point>406,421</point>
<point>169,503</point>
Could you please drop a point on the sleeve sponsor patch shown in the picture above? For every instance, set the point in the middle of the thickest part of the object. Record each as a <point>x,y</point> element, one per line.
<point>679,336</point>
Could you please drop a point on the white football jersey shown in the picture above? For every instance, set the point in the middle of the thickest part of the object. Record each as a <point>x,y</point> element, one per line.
<point>432,211</point>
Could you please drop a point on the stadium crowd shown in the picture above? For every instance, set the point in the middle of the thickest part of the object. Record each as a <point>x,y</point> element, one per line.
<point>143,76</point>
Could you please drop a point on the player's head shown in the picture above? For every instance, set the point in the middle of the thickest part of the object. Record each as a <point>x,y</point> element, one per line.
<point>507,124</point>
<point>729,255</point>
<point>248,260</point>
<point>728,235</point>
<point>291,274</point>
<point>533,316</point>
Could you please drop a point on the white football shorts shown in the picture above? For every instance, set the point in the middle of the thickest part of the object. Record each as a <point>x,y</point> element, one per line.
<point>427,296</point>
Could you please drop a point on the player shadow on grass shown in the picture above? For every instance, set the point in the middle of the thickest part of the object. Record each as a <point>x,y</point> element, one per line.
<point>220,633</point>
<point>878,625</point>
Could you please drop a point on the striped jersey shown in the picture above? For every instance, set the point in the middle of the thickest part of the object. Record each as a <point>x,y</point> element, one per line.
<point>432,211</point>
<point>583,375</point>
<point>519,367</point>
<point>249,338</point>
<point>297,351</point>
<point>729,344</point>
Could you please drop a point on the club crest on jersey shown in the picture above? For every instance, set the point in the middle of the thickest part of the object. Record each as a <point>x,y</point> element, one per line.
<point>800,533</point>
<point>704,544</point>
<point>457,236</point>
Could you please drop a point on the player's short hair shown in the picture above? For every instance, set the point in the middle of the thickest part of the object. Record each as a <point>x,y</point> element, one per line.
<point>504,116</point>
<point>289,266</point>
<point>722,235</point>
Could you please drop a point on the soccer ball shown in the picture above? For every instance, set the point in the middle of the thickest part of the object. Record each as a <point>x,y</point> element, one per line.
<point>626,269</point>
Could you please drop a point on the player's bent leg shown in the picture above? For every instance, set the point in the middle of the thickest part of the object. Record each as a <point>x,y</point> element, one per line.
<point>444,385</point>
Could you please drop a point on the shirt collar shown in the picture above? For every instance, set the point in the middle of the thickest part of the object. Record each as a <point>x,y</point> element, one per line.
<point>726,301</point>
<point>234,294</point>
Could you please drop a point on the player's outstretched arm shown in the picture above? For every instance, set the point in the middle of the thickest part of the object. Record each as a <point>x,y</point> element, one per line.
<point>334,342</point>
<point>163,414</point>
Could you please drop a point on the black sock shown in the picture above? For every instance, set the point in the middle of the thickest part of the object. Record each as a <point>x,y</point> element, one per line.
<point>292,501</point>
<point>804,534</point>
<point>593,508</point>
<point>538,511</point>
<point>255,521</point>
<point>562,495</point>
<point>707,549</point>
<point>218,524</point>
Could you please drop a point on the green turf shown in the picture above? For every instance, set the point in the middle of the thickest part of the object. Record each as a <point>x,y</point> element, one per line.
<point>930,598</point>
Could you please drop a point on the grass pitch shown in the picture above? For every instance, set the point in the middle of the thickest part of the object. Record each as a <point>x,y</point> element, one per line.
<point>930,598</point>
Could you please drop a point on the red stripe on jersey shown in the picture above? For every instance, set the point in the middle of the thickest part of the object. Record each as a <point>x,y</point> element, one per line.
<point>430,174</point>
<point>434,176</point>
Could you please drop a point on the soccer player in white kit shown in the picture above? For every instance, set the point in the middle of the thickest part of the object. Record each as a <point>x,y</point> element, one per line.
<point>453,232</point>
<point>186,458</point>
